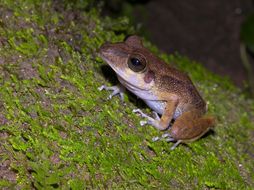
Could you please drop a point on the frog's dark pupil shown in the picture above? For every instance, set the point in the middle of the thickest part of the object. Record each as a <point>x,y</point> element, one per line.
<point>135,62</point>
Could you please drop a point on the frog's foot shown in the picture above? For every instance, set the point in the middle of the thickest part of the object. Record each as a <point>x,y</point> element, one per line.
<point>167,137</point>
<point>150,121</point>
<point>117,90</point>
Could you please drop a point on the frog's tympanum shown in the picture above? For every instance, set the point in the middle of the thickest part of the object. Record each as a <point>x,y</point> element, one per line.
<point>166,90</point>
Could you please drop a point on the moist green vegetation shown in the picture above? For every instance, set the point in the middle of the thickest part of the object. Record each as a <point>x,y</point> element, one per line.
<point>58,131</point>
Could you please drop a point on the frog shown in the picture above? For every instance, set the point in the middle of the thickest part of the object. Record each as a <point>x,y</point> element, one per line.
<point>178,107</point>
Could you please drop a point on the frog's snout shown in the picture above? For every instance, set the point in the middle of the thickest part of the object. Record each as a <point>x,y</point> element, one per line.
<point>104,47</point>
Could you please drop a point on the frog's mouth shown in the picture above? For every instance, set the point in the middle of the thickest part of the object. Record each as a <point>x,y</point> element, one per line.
<point>144,93</point>
<point>130,86</point>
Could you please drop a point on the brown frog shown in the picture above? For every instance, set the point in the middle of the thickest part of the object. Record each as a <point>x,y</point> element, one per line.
<point>166,90</point>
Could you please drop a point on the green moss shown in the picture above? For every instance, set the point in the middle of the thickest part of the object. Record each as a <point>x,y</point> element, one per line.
<point>59,131</point>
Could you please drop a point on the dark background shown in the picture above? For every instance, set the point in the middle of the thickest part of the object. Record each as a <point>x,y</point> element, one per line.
<point>206,31</point>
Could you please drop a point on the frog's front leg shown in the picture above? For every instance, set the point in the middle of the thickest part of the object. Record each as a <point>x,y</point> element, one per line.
<point>117,90</point>
<point>163,122</point>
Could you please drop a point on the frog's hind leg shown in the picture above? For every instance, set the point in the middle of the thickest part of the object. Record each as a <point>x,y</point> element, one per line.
<point>191,126</point>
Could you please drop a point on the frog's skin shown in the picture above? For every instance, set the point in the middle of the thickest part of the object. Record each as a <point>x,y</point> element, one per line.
<point>166,90</point>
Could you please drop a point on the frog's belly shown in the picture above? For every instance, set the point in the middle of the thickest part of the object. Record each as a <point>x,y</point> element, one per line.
<point>159,106</point>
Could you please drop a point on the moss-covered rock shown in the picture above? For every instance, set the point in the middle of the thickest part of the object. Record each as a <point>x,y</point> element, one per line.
<point>58,131</point>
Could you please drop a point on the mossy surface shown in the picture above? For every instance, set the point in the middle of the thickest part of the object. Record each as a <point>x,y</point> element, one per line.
<point>58,131</point>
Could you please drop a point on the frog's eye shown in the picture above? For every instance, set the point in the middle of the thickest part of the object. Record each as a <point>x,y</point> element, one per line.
<point>137,63</point>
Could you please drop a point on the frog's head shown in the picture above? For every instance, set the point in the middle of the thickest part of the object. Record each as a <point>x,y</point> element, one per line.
<point>130,61</point>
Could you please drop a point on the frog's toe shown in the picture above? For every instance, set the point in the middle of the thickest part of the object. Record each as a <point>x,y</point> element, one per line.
<point>169,139</point>
<point>142,123</point>
<point>155,115</point>
<point>175,145</point>
<point>102,87</point>
<point>154,139</point>
<point>115,92</point>
<point>109,97</point>
<point>140,112</point>
<point>152,121</point>
<point>165,135</point>
<point>121,94</point>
